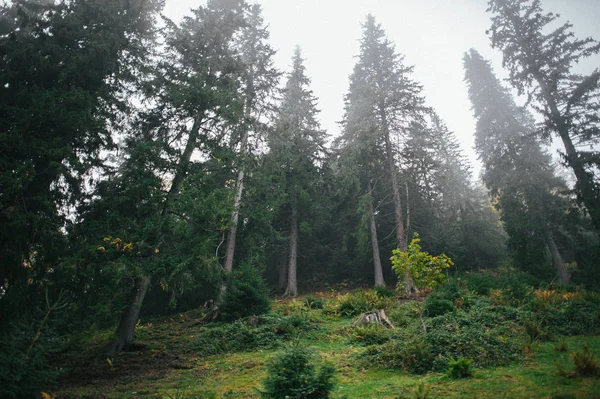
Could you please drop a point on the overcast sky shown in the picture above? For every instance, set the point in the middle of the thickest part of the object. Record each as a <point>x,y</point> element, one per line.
<point>432,35</point>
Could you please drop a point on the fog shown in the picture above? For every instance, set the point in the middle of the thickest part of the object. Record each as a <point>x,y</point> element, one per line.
<point>432,35</point>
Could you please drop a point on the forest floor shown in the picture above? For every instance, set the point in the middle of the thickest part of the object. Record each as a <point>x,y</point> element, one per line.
<point>179,356</point>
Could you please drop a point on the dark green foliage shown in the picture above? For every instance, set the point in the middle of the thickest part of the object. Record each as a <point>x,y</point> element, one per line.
<point>370,334</point>
<point>247,294</point>
<point>383,291</point>
<point>413,356</point>
<point>313,302</point>
<point>459,368</point>
<point>535,331</point>
<point>576,317</point>
<point>292,374</point>
<point>513,280</point>
<point>24,370</point>
<point>249,334</point>
<point>487,336</point>
<point>437,307</point>
<point>361,301</point>
<point>586,365</point>
<point>490,335</point>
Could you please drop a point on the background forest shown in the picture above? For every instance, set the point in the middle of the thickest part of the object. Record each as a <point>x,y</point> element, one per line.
<point>152,167</point>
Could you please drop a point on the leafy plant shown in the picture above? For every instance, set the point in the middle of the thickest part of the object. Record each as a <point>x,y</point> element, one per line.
<point>426,270</point>
<point>460,368</point>
<point>292,374</point>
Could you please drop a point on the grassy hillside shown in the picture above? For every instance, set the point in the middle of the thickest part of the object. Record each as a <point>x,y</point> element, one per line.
<point>521,341</point>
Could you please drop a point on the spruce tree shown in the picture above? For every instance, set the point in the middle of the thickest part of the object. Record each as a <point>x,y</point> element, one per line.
<point>258,84</point>
<point>540,60</point>
<point>516,170</point>
<point>297,149</point>
<point>380,105</point>
<point>67,72</point>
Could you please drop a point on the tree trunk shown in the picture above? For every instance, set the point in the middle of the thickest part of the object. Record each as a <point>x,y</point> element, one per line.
<point>183,165</point>
<point>239,184</point>
<point>283,268</point>
<point>401,240</point>
<point>235,215</point>
<point>130,317</point>
<point>557,260</point>
<point>374,243</point>
<point>376,317</point>
<point>292,287</point>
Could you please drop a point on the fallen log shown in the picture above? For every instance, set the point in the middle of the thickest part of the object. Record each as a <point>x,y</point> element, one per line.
<point>377,317</point>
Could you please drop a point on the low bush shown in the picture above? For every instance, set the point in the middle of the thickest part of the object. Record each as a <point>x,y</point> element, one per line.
<point>413,356</point>
<point>460,368</point>
<point>312,302</point>
<point>249,334</point>
<point>490,335</point>
<point>24,369</point>
<point>404,315</point>
<point>361,301</point>
<point>247,295</point>
<point>574,317</point>
<point>585,363</point>
<point>370,334</point>
<point>436,307</point>
<point>384,291</point>
<point>292,374</point>
<point>513,281</point>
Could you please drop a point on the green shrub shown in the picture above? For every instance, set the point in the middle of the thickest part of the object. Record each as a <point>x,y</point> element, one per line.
<point>370,334</point>
<point>403,315</point>
<point>436,307</point>
<point>575,317</point>
<point>249,334</point>
<point>23,374</point>
<point>389,355</point>
<point>413,356</point>
<point>383,291</point>
<point>460,368</point>
<point>487,336</point>
<point>247,294</point>
<point>585,363</point>
<point>510,280</point>
<point>361,301</point>
<point>312,302</point>
<point>292,374</point>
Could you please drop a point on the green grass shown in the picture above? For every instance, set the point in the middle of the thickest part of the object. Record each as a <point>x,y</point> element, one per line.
<point>165,367</point>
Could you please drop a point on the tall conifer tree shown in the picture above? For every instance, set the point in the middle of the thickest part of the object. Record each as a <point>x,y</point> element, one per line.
<point>540,60</point>
<point>516,170</point>
<point>297,149</point>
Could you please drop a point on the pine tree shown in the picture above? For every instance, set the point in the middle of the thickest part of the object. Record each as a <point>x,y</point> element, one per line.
<point>67,71</point>
<point>196,96</point>
<point>259,81</point>
<point>381,103</point>
<point>516,170</point>
<point>297,149</point>
<point>540,60</point>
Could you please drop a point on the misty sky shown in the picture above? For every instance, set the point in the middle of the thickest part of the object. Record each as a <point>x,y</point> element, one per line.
<point>432,35</point>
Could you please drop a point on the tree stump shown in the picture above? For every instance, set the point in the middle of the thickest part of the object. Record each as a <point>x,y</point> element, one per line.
<point>378,317</point>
